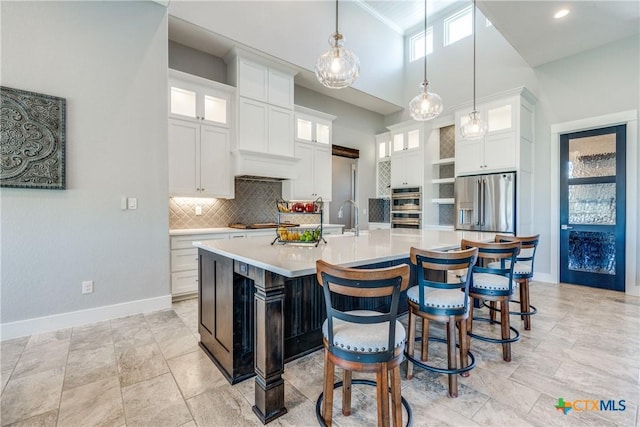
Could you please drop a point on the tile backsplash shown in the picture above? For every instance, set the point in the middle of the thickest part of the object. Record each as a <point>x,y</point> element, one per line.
<point>255,202</point>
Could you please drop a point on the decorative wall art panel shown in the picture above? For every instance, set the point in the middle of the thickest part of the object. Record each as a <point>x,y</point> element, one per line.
<point>32,139</point>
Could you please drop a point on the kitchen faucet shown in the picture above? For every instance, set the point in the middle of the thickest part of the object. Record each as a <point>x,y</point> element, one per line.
<point>341,214</point>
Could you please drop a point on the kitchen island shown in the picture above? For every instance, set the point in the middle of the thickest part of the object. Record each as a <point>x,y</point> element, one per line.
<point>260,306</point>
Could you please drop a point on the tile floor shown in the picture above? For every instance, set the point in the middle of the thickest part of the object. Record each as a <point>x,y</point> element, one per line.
<point>147,370</point>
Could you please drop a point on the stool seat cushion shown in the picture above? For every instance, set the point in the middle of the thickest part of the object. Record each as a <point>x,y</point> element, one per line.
<point>363,338</point>
<point>438,298</point>
<point>520,269</point>
<point>488,281</point>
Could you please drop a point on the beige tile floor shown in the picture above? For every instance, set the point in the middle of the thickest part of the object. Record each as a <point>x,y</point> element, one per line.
<point>147,370</point>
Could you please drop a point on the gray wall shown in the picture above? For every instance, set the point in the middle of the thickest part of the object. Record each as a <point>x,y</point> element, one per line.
<point>109,61</point>
<point>192,61</point>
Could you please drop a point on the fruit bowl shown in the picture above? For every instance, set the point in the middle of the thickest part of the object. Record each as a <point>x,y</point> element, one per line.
<point>287,235</point>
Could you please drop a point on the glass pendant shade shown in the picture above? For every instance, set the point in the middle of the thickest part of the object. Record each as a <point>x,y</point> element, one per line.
<point>426,105</point>
<point>338,67</point>
<point>475,128</point>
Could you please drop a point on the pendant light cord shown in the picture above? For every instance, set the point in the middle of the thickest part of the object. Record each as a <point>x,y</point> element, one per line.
<point>474,55</point>
<point>337,18</point>
<point>425,42</point>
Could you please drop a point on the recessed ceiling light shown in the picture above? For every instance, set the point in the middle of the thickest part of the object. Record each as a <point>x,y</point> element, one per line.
<point>561,13</point>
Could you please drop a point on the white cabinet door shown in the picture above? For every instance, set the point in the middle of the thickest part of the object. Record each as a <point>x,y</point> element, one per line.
<point>253,125</point>
<point>407,169</point>
<point>253,80</point>
<point>184,148</point>
<point>301,188</point>
<point>469,157</point>
<point>215,164</point>
<point>500,151</point>
<point>184,259</point>
<point>414,167</point>
<point>322,173</point>
<point>184,282</point>
<point>280,131</point>
<point>280,91</point>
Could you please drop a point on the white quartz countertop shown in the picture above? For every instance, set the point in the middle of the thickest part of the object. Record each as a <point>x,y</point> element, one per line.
<point>188,231</point>
<point>293,260</point>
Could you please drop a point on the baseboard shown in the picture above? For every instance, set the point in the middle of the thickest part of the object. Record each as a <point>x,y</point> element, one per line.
<point>544,277</point>
<point>38,325</point>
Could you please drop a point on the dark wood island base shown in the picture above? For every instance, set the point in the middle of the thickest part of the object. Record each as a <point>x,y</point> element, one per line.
<point>251,321</point>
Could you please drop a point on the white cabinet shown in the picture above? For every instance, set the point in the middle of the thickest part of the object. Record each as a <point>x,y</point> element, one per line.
<point>407,154</point>
<point>509,138</point>
<point>407,169</point>
<point>199,160</point>
<point>313,126</point>
<point>383,165</point>
<point>313,173</point>
<point>313,148</point>
<point>264,128</point>
<point>184,263</point>
<point>265,104</point>
<point>197,99</point>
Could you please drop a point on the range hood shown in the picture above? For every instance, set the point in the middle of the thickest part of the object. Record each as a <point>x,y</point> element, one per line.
<point>264,166</point>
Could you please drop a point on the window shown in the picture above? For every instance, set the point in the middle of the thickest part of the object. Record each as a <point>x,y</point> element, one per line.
<point>416,44</point>
<point>458,26</point>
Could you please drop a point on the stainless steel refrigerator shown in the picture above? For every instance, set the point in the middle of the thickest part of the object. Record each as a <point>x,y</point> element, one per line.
<point>486,202</point>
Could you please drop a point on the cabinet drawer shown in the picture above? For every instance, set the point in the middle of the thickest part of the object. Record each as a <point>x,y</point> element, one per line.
<point>184,282</point>
<point>186,242</point>
<point>184,259</point>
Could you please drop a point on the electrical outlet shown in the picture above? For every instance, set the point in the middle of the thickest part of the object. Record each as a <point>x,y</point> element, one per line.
<point>132,203</point>
<point>198,210</point>
<point>87,287</point>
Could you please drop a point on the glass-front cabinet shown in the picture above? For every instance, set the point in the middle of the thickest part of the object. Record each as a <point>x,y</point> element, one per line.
<point>198,99</point>
<point>312,126</point>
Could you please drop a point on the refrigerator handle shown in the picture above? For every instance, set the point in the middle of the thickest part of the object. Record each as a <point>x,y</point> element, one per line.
<point>479,200</point>
<point>483,184</point>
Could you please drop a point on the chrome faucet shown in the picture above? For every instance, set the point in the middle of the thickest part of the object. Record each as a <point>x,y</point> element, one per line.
<point>341,214</point>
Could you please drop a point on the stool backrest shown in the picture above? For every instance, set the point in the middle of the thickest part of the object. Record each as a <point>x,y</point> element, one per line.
<point>529,245</point>
<point>362,283</point>
<point>507,251</point>
<point>442,262</point>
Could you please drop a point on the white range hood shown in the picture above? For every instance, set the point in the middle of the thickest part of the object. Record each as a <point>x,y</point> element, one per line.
<point>266,165</point>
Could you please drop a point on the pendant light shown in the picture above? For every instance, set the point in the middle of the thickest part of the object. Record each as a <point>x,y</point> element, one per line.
<point>338,67</point>
<point>426,105</point>
<point>475,128</point>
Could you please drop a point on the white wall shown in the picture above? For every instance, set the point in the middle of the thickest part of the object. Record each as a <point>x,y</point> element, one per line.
<point>109,60</point>
<point>297,32</point>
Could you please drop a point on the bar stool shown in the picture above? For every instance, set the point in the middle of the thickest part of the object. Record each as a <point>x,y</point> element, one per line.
<point>495,285</point>
<point>435,299</point>
<point>522,273</point>
<point>362,340</point>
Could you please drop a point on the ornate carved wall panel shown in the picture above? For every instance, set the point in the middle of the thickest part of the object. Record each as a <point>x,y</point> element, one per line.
<point>32,140</point>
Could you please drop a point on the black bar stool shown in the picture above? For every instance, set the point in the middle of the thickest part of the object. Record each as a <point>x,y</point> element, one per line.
<point>363,340</point>
<point>436,299</point>
<point>494,284</point>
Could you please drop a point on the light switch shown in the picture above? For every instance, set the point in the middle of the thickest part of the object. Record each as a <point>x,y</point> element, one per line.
<point>132,203</point>
<point>123,203</point>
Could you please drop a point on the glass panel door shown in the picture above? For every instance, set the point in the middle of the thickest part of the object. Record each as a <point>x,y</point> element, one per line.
<point>592,208</point>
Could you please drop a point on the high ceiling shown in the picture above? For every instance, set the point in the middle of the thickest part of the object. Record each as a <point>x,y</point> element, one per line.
<point>528,25</point>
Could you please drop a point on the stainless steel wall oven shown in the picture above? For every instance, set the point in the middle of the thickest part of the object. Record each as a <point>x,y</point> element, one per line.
<point>406,207</point>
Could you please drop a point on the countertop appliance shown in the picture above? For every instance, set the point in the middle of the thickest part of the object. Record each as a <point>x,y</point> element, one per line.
<point>486,202</point>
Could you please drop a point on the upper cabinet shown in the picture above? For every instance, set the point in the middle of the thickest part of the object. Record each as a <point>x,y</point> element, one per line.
<point>197,99</point>
<point>312,126</point>
<point>407,154</point>
<point>265,104</point>
<point>313,149</point>
<point>200,117</point>
<point>508,143</point>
